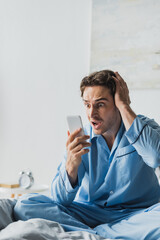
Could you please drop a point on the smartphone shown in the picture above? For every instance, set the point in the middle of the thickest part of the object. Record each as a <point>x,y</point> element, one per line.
<point>75,122</point>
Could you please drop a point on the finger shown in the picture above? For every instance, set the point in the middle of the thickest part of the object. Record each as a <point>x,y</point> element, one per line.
<point>117,82</point>
<point>119,76</point>
<point>81,146</point>
<point>120,81</point>
<point>68,133</point>
<point>73,135</point>
<point>82,138</point>
<point>115,78</point>
<point>84,151</point>
<point>81,152</point>
<point>77,141</point>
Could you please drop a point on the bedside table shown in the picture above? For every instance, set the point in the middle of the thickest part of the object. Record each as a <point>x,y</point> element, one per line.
<point>16,192</point>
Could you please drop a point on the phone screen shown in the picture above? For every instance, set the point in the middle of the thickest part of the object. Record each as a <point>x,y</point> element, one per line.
<point>75,122</point>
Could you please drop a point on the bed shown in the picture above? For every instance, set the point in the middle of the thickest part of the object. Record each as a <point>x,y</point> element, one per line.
<point>35,229</point>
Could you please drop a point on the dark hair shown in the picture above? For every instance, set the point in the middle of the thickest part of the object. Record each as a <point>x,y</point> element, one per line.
<point>100,78</point>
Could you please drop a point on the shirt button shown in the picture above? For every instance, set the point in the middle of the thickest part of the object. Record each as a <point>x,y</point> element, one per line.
<point>111,192</point>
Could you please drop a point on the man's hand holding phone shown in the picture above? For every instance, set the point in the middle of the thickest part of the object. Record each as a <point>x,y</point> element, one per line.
<point>76,147</point>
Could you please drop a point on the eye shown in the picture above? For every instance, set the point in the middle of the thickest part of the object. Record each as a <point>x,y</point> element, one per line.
<point>87,105</point>
<point>100,105</point>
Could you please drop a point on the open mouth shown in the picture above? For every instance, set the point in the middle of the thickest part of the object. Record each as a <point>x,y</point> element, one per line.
<point>96,124</point>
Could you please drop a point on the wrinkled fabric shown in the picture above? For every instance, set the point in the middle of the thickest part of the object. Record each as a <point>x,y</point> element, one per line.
<point>40,206</point>
<point>114,187</point>
<point>41,229</point>
<point>123,177</point>
<point>141,225</point>
<point>6,212</point>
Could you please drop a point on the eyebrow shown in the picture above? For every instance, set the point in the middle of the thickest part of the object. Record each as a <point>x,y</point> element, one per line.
<point>97,100</point>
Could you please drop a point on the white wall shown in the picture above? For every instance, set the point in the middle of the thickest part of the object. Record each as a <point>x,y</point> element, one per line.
<point>44,53</point>
<point>146,102</point>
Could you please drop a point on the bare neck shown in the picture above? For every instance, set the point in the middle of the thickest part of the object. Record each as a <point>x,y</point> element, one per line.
<point>110,136</point>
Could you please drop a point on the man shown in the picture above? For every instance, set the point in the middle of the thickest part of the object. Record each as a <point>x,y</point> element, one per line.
<point>107,184</point>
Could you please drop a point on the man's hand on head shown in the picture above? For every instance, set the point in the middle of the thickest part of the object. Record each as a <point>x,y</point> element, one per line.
<point>122,93</point>
<point>122,101</point>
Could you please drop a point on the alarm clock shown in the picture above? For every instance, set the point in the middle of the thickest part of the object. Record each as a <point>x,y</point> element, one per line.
<point>26,179</point>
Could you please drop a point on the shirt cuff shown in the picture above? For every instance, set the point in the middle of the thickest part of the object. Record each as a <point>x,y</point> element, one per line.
<point>135,130</point>
<point>66,182</point>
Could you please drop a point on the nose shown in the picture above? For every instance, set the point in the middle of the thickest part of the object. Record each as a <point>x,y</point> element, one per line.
<point>92,112</point>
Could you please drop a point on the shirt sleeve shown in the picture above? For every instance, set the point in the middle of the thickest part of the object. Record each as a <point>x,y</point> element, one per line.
<point>144,135</point>
<point>61,188</point>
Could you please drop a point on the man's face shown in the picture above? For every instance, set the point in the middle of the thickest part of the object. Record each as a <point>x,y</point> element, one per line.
<point>101,110</point>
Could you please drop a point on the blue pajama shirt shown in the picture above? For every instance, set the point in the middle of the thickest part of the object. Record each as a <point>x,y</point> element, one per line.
<point>117,190</point>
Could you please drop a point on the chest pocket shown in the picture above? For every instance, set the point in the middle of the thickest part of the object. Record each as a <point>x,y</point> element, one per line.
<point>128,165</point>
